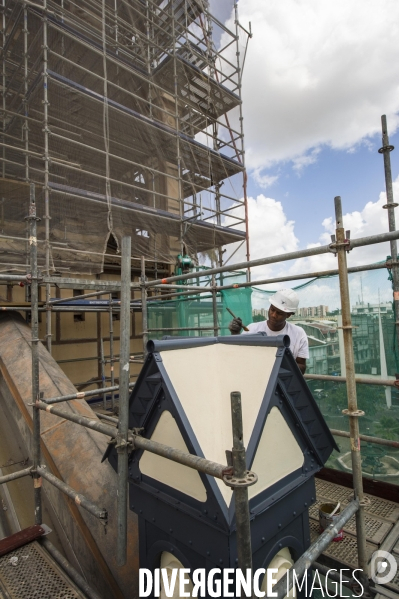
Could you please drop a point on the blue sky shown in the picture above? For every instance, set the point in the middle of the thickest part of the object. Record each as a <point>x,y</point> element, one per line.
<point>307,196</point>
<point>317,78</point>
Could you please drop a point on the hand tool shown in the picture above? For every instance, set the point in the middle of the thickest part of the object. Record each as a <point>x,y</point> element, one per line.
<point>234,316</point>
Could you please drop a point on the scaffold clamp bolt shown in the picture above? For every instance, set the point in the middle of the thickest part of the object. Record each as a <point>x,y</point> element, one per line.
<point>388,148</point>
<point>355,413</point>
<point>235,482</point>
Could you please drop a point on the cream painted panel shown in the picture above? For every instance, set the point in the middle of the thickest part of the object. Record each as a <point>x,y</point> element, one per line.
<point>165,471</point>
<point>282,562</point>
<point>169,562</point>
<point>203,378</point>
<point>278,453</point>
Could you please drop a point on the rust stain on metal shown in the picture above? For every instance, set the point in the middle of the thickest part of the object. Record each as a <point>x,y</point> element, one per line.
<point>37,482</point>
<point>85,531</point>
<point>355,444</point>
<point>56,425</point>
<point>20,538</point>
<point>75,514</point>
<point>60,449</point>
<point>14,391</point>
<point>82,408</point>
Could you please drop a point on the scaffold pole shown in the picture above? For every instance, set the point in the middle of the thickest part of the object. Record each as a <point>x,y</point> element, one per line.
<point>352,412</point>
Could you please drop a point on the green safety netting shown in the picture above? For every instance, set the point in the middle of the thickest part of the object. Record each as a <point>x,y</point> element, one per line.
<point>374,340</point>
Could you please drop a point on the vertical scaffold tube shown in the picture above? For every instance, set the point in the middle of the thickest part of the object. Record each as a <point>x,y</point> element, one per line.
<point>352,410</point>
<point>37,481</point>
<point>25,128</point>
<point>244,549</point>
<point>390,206</point>
<point>103,383</point>
<point>242,159</point>
<point>144,311</point>
<point>46,187</point>
<point>124,377</point>
<point>214,307</point>
<point>3,91</point>
<point>111,351</point>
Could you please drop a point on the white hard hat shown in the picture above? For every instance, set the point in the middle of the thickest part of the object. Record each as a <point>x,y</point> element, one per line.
<point>286,300</point>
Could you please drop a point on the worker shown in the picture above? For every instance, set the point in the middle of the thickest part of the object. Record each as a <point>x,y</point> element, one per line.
<point>283,304</point>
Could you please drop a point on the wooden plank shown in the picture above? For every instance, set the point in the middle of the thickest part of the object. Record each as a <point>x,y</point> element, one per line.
<point>23,537</point>
<point>377,488</point>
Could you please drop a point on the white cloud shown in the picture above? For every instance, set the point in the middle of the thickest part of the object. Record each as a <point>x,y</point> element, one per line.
<point>371,220</point>
<point>305,159</point>
<point>317,73</point>
<point>263,181</point>
<point>271,234</point>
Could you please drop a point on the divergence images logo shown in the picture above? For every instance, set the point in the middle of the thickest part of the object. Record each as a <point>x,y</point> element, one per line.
<point>383,567</point>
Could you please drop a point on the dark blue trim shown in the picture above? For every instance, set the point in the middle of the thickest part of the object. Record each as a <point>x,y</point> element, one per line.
<point>171,343</point>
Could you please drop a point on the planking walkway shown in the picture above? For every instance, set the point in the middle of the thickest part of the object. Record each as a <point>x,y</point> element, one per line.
<point>30,572</point>
<point>37,575</point>
<point>382,529</point>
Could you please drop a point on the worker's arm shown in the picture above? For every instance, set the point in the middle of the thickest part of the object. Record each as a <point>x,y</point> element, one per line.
<point>302,364</point>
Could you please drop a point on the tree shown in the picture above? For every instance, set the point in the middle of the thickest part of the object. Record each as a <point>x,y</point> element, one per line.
<point>258,318</point>
<point>370,398</point>
<point>387,428</point>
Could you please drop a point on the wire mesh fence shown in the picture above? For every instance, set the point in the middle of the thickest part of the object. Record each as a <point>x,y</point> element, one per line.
<point>375,350</point>
<point>119,111</point>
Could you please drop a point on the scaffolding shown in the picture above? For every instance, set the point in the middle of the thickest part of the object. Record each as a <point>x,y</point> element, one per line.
<point>121,113</point>
<point>128,116</point>
<point>127,440</point>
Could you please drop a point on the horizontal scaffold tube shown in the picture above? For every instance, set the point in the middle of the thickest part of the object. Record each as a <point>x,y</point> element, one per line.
<point>91,423</point>
<point>15,475</point>
<point>82,394</point>
<point>97,285</point>
<point>181,329</point>
<point>79,499</point>
<point>367,438</point>
<point>16,278</point>
<point>310,275</point>
<point>115,285</point>
<point>77,297</point>
<point>107,418</point>
<point>254,283</point>
<point>187,459</point>
<point>315,251</point>
<point>310,555</point>
<point>364,380</point>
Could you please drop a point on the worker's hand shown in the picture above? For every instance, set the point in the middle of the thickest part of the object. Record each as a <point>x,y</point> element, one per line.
<point>235,326</point>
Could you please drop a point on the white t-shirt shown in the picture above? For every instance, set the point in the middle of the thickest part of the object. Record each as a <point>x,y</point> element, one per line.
<point>299,341</point>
